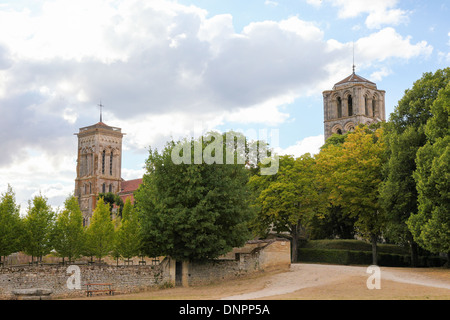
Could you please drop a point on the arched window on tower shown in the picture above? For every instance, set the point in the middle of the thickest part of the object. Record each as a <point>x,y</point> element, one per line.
<point>103,161</point>
<point>366,104</point>
<point>111,163</point>
<point>339,107</point>
<point>110,188</point>
<point>104,188</point>
<point>374,107</point>
<point>350,106</point>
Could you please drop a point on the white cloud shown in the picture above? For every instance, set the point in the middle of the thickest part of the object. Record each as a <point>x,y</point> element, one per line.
<point>159,67</point>
<point>316,3</point>
<point>271,3</point>
<point>268,113</point>
<point>379,13</point>
<point>393,17</point>
<point>387,43</point>
<point>35,172</point>
<point>380,74</point>
<point>131,174</point>
<point>310,145</point>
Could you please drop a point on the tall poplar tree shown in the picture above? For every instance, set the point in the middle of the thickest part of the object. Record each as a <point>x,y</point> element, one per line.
<point>128,235</point>
<point>100,233</point>
<point>68,238</point>
<point>38,227</point>
<point>10,224</point>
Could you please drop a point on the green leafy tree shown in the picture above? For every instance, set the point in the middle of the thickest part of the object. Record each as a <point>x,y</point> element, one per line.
<point>196,209</point>
<point>68,238</point>
<point>430,226</point>
<point>129,239</point>
<point>405,134</point>
<point>38,228</point>
<point>351,174</point>
<point>10,224</point>
<point>100,233</point>
<point>287,201</point>
<point>115,251</point>
<point>112,199</point>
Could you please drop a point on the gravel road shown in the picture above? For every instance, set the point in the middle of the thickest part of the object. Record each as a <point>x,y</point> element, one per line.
<point>302,276</point>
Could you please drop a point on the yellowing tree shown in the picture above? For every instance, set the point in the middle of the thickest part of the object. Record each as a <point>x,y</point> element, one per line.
<point>287,202</point>
<point>351,175</point>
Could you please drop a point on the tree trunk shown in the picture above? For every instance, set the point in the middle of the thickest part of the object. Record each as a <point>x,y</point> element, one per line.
<point>414,254</point>
<point>374,250</point>
<point>294,244</point>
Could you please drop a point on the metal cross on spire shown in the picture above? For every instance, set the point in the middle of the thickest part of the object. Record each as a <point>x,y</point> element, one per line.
<point>101,106</point>
<point>354,58</point>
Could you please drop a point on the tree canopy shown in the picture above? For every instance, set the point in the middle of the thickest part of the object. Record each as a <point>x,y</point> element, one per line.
<point>430,226</point>
<point>196,210</point>
<point>100,233</point>
<point>10,224</point>
<point>351,174</point>
<point>287,201</point>
<point>415,121</point>
<point>38,227</point>
<point>68,234</point>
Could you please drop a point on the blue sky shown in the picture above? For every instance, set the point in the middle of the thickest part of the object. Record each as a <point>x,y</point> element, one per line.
<point>165,68</point>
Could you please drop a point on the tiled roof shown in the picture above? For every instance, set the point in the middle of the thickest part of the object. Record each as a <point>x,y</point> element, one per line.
<point>354,78</point>
<point>128,188</point>
<point>130,185</point>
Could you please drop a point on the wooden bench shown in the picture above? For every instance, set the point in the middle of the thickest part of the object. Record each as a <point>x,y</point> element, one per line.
<point>128,262</point>
<point>103,287</point>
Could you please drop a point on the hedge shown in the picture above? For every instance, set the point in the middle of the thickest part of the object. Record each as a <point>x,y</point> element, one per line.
<point>350,257</point>
<point>357,245</point>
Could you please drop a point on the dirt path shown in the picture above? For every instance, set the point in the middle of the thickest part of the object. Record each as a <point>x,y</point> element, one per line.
<point>313,282</point>
<point>303,276</point>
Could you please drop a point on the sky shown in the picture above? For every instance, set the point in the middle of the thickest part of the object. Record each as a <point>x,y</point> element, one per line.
<point>167,69</point>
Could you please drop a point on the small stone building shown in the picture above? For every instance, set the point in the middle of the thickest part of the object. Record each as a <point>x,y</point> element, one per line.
<point>254,256</point>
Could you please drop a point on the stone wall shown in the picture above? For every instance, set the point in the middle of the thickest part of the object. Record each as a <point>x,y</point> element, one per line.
<point>125,279</point>
<point>255,256</point>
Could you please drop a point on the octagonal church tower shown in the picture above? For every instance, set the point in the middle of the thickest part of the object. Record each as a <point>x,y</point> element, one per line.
<point>352,101</point>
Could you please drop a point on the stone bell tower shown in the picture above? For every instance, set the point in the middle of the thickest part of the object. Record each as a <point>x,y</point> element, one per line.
<point>99,165</point>
<point>351,102</point>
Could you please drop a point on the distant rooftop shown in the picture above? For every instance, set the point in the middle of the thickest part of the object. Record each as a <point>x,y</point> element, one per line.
<point>128,188</point>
